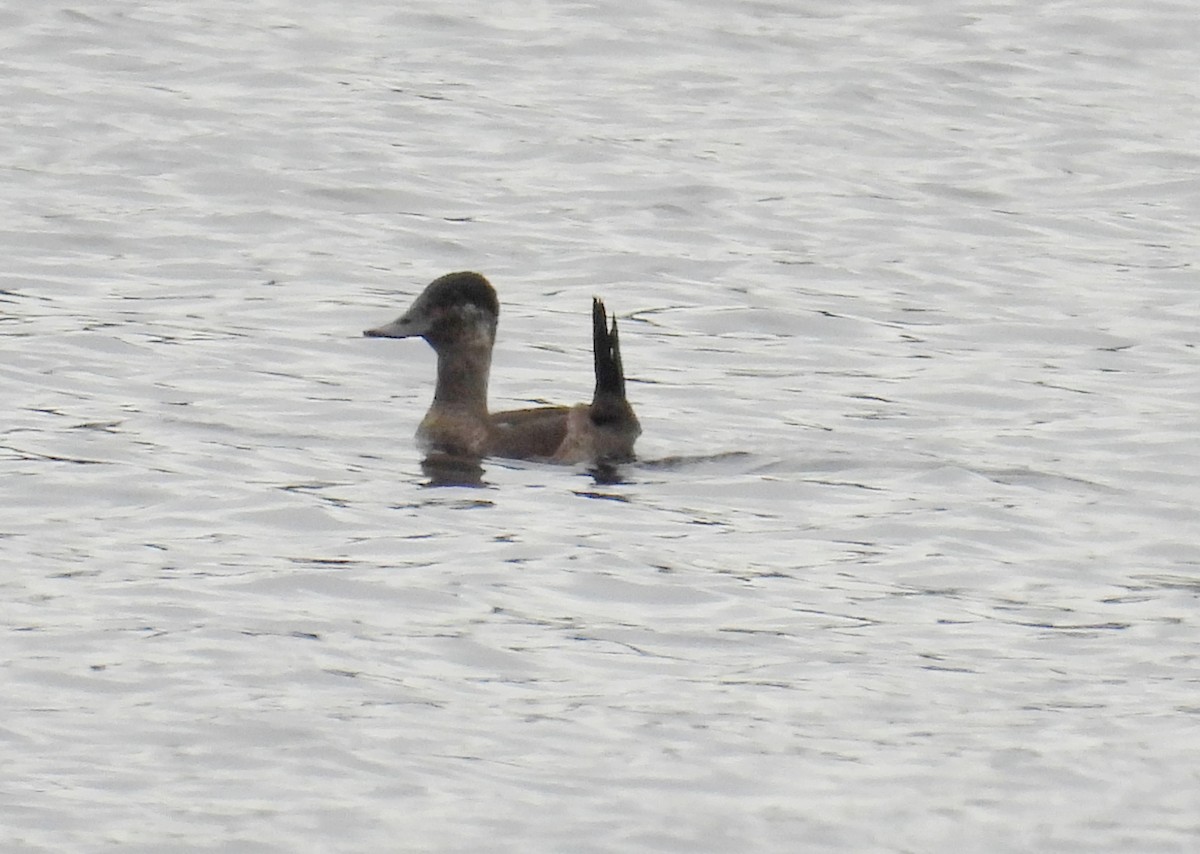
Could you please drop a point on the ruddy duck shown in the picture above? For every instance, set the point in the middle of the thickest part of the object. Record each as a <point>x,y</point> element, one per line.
<point>457,314</point>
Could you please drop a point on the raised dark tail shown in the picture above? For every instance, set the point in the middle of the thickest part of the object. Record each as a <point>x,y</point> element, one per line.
<point>610,376</point>
<point>618,427</point>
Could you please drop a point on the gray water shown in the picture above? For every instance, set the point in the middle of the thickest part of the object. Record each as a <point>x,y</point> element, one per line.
<point>909,308</point>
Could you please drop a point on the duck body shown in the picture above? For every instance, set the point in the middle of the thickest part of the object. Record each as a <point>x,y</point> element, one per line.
<point>457,315</point>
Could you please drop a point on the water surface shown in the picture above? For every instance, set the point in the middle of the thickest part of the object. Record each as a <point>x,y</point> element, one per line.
<point>908,306</point>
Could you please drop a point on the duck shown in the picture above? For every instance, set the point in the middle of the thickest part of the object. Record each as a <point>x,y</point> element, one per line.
<point>457,315</point>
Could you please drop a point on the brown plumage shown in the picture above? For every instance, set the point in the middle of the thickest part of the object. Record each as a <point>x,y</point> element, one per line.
<point>457,315</point>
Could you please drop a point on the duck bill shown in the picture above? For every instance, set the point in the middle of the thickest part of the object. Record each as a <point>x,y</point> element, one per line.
<point>404,327</point>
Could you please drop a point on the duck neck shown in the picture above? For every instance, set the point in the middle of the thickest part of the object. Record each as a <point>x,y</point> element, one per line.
<point>462,378</point>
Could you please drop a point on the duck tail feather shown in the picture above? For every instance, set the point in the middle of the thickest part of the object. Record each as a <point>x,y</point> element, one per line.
<point>610,375</point>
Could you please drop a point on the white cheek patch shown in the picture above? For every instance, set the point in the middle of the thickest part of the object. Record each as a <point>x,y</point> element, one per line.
<point>479,325</point>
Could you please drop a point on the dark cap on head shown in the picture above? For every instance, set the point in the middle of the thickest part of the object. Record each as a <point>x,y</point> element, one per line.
<point>465,288</point>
